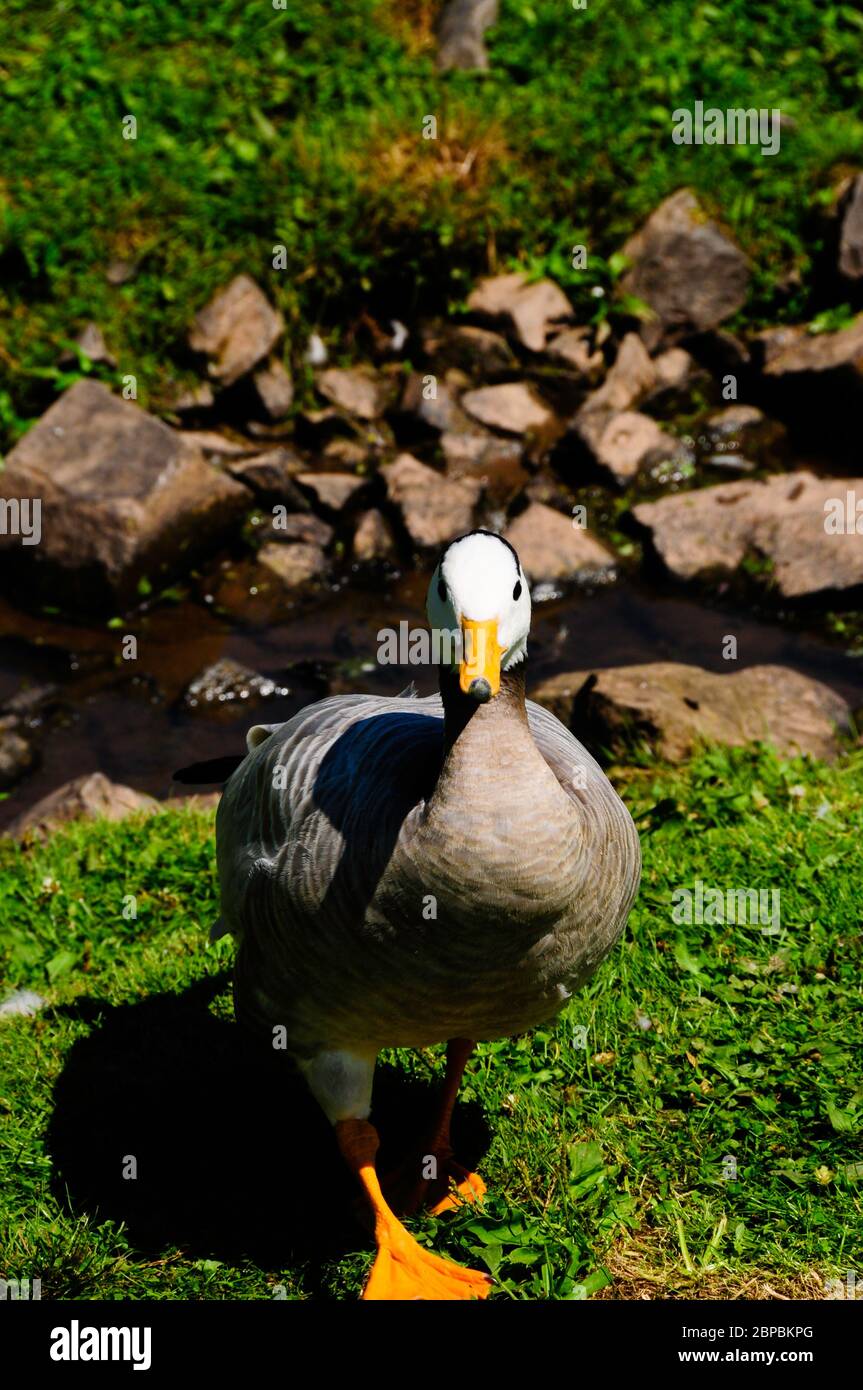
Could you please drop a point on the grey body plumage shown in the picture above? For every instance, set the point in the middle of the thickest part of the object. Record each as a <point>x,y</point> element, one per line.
<point>395,878</point>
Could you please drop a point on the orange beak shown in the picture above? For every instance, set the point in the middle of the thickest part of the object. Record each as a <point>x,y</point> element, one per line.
<point>481,658</point>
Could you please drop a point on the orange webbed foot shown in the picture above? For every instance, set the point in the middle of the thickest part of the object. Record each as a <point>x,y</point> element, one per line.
<point>408,1189</point>
<point>403,1270</point>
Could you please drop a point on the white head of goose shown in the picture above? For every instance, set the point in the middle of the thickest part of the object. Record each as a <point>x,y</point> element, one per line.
<point>405,872</point>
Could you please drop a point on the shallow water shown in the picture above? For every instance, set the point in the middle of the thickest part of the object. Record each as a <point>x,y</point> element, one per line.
<point>125,718</point>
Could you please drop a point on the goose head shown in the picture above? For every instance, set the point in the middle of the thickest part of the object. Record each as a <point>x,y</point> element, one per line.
<point>480,594</point>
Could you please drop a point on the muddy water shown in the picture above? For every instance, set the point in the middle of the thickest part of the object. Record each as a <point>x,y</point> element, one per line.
<point>127,719</point>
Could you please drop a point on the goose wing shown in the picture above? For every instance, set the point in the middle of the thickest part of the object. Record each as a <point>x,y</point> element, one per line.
<point>309,819</point>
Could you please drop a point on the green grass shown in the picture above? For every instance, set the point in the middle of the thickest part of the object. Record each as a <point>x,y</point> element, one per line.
<point>702,1042</point>
<point>301,127</point>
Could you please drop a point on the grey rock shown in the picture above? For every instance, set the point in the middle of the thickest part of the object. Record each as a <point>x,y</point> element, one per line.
<point>851,232</point>
<point>792,351</point>
<point>237,330</point>
<point>511,407</point>
<point>670,707</point>
<point>707,533</point>
<point>434,509</point>
<point>373,538</point>
<point>551,548</point>
<point>674,369</point>
<point>333,490</point>
<point>271,475</point>
<point>225,685</point>
<point>496,464</point>
<point>439,411</point>
<point>686,269</point>
<point>356,391</point>
<point>214,444</point>
<point>89,797</point>
<point>461,33</point>
<point>732,419</point>
<point>631,377</point>
<point>275,389</point>
<point>92,343</point>
<point>623,442</point>
<point>530,310</point>
<point>302,526</point>
<point>294,565</point>
<point>122,495</point>
<point>573,349</point>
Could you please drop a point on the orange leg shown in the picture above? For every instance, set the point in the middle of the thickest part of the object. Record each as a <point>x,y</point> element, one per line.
<point>469,1186</point>
<point>402,1270</point>
<point>436,1180</point>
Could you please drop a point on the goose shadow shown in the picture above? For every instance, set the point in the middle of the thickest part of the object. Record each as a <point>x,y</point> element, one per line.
<point>368,782</point>
<point>234,1159</point>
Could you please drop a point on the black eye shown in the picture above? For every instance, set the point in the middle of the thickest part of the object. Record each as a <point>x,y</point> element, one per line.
<point>516,593</point>
<point>441,588</point>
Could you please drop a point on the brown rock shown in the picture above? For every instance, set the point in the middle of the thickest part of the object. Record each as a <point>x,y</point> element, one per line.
<point>301,526</point>
<point>702,534</point>
<point>789,351</point>
<point>89,797</point>
<point>495,295</point>
<point>333,490</point>
<point>293,565</point>
<point>631,377</point>
<point>496,464</point>
<point>689,273</point>
<point>122,496</point>
<point>671,707</point>
<point>536,309</point>
<point>732,419</point>
<point>354,390</point>
<point>275,389</point>
<point>217,445</point>
<point>573,348</point>
<point>623,443</point>
<point>373,538</point>
<point>271,475</point>
<point>350,453</point>
<point>551,548</point>
<point>511,407</point>
<point>237,329</point>
<point>530,309</point>
<point>434,509</point>
<point>673,369</point>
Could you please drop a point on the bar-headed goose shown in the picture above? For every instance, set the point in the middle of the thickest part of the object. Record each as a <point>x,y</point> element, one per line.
<point>404,872</point>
